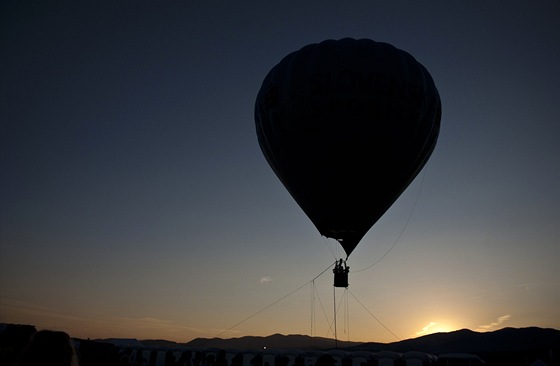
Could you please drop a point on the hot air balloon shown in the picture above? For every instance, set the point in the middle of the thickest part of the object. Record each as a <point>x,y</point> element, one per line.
<point>347,125</point>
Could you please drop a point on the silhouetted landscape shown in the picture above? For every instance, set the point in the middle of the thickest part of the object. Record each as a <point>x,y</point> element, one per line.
<point>367,170</point>
<point>466,341</point>
<point>509,346</point>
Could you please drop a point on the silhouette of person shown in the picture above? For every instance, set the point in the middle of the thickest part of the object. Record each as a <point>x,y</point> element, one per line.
<point>47,347</point>
<point>338,267</point>
<point>13,339</point>
<point>341,271</point>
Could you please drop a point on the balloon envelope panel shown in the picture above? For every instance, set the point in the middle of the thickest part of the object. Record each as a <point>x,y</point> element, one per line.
<point>346,125</point>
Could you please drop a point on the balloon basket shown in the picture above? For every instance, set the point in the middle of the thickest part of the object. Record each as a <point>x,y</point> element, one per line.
<point>341,280</point>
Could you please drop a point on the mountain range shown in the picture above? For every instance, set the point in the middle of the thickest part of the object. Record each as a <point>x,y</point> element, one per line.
<point>467,341</point>
<point>463,341</point>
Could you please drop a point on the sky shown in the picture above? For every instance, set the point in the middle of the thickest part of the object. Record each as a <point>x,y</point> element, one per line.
<point>135,201</point>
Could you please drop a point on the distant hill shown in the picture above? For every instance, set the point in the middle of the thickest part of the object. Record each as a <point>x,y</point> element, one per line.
<point>275,341</point>
<point>504,347</point>
<point>465,341</point>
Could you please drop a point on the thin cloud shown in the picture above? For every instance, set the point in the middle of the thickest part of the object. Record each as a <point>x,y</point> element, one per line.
<point>29,310</point>
<point>426,329</point>
<point>487,327</point>
<point>156,324</point>
<point>265,279</point>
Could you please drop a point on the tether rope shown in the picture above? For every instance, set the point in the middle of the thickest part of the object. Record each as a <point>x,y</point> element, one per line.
<point>330,265</point>
<point>403,229</point>
<point>374,317</point>
<point>274,303</point>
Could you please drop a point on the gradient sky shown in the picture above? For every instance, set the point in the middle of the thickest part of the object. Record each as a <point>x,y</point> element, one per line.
<point>135,201</point>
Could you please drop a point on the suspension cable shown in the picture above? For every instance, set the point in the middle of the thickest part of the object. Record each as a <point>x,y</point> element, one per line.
<point>312,308</point>
<point>347,319</point>
<point>312,281</point>
<point>403,229</point>
<point>337,310</point>
<point>273,303</point>
<point>373,316</point>
<point>334,319</point>
<point>323,310</point>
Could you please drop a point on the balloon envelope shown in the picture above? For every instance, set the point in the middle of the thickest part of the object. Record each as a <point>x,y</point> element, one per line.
<point>346,125</point>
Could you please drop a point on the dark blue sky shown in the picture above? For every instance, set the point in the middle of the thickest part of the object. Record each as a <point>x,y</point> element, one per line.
<point>135,201</point>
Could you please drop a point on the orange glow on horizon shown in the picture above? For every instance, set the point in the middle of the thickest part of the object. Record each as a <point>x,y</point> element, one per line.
<point>435,327</point>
